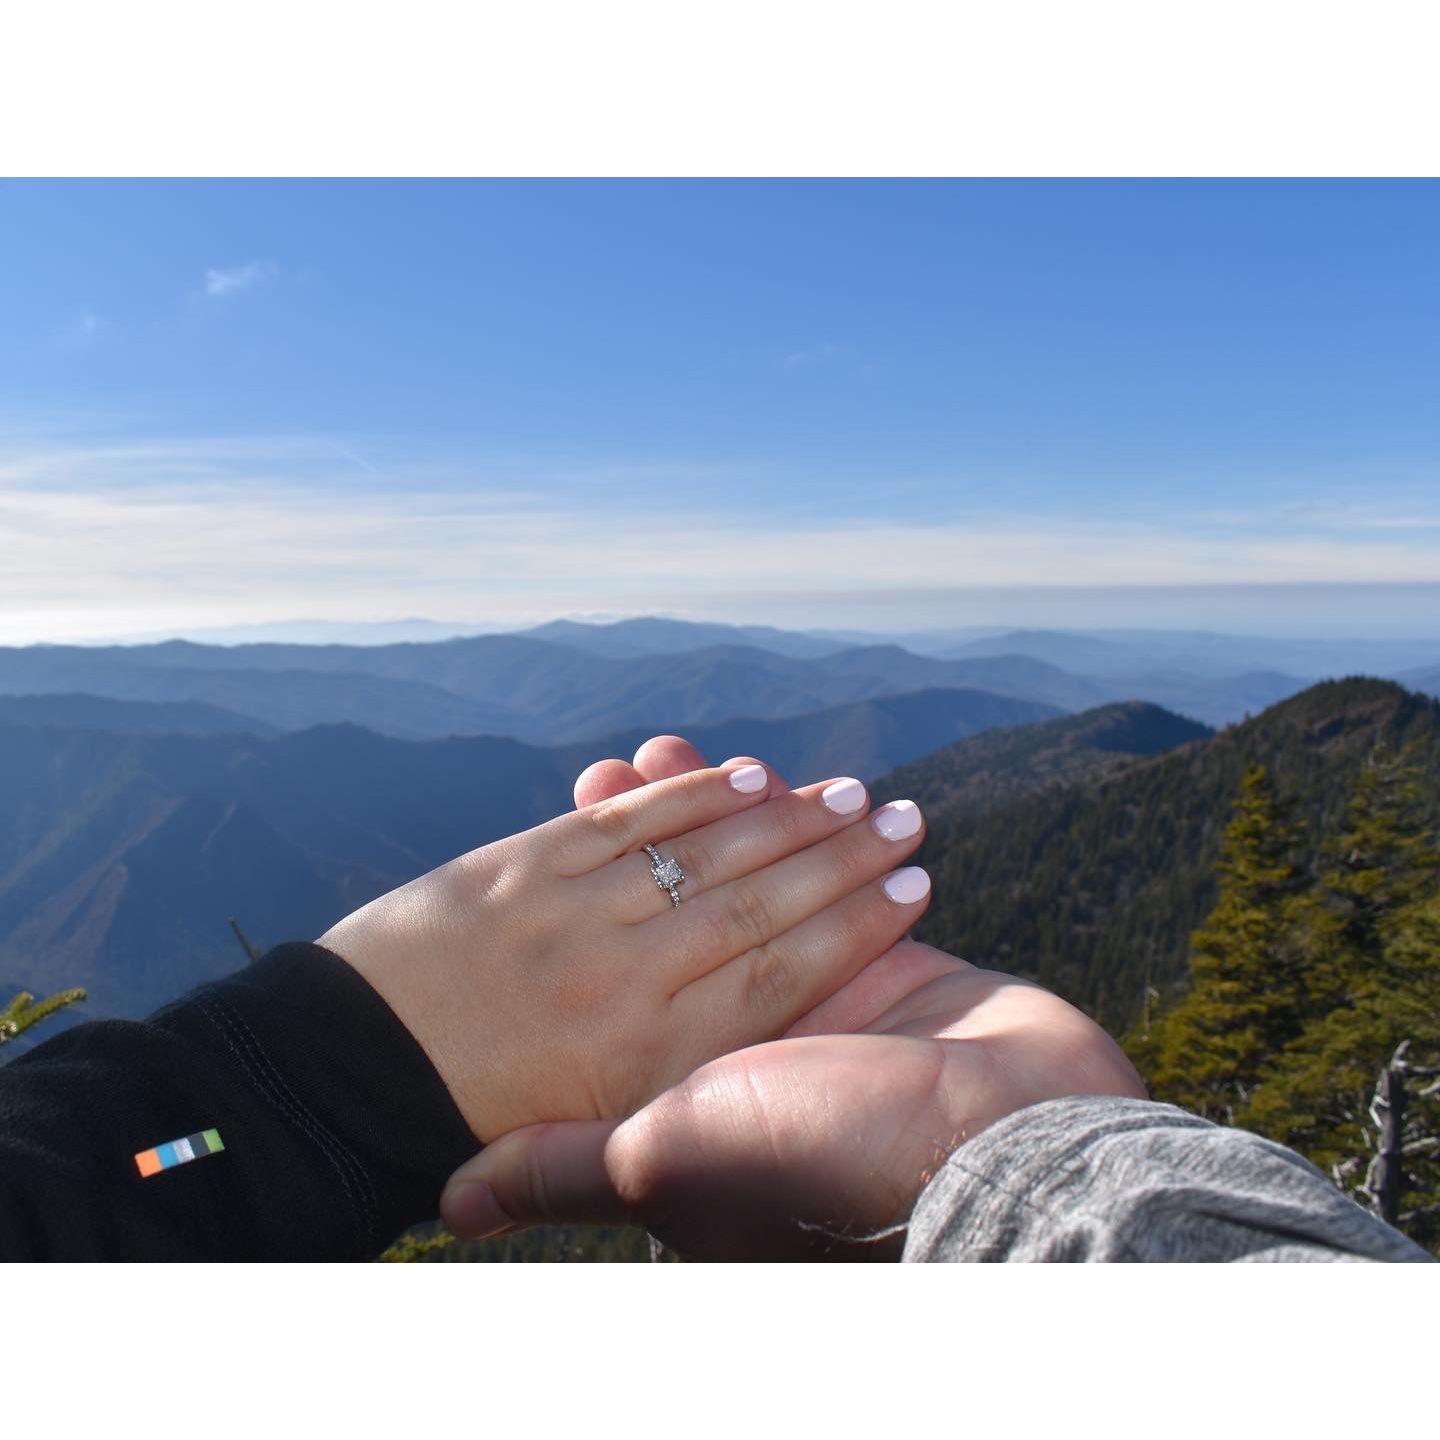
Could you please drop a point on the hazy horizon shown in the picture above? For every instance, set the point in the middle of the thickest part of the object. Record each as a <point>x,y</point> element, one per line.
<point>1384,613</point>
<point>886,405</point>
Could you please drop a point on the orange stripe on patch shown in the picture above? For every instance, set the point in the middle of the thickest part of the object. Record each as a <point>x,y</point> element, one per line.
<point>148,1162</point>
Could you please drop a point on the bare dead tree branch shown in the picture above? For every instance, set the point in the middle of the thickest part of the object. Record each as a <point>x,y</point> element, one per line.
<point>250,950</point>
<point>1385,1176</point>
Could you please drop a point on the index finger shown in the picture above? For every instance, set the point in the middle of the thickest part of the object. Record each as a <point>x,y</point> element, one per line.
<point>584,840</point>
<point>662,757</point>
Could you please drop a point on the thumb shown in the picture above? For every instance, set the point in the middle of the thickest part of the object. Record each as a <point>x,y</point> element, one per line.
<point>544,1173</point>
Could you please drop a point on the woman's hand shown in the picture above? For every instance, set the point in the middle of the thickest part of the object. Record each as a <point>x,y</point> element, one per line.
<point>804,1146</point>
<point>548,976</point>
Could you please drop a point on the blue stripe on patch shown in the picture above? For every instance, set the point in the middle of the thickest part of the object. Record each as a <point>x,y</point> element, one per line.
<point>167,1154</point>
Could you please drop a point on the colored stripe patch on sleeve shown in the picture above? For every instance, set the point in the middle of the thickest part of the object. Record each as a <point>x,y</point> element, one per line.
<point>179,1152</point>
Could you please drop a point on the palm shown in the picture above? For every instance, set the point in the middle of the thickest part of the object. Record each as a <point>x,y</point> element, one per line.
<point>756,1154</point>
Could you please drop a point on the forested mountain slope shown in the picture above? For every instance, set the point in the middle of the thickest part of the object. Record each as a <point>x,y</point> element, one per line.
<point>1093,887</point>
<point>121,857</point>
<point>1003,764</point>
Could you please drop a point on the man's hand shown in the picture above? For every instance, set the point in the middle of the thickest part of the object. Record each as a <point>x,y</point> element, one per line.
<point>813,1145</point>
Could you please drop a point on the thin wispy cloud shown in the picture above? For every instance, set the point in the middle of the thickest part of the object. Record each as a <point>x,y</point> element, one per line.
<point>348,454</point>
<point>1400,511</point>
<point>221,283</point>
<point>824,354</point>
<point>113,538</point>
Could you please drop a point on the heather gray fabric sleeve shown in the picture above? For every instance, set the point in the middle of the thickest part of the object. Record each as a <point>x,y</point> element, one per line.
<point>1104,1178</point>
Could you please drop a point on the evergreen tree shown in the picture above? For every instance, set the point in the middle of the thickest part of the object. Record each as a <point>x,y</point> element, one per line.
<point>1371,936</point>
<point>1245,1001</point>
<point>1380,867</point>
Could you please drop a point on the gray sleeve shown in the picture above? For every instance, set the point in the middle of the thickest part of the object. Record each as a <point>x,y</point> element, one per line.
<point>1104,1178</point>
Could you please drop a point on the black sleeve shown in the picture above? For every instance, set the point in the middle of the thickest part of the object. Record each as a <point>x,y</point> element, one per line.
<point>337,1133</point>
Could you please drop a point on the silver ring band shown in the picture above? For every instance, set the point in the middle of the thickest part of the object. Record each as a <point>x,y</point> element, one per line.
<point>668,874</point>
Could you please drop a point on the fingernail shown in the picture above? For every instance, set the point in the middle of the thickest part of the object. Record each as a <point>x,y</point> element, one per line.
<point>844,797</point>
<point>749,778</point>
<point>907,886</point>
<point>897,821</point>
<point>470,1209</point>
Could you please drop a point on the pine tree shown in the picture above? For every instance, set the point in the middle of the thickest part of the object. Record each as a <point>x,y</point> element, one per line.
<point>1382,865</point>
<point>1372,944</point>
<point>1245,999</point>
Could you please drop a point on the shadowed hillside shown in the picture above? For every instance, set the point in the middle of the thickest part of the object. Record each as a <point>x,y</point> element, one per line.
<point>1094,886</point>
<point>1004,764</point>
<point>126,717</point>
<point>123,854</point>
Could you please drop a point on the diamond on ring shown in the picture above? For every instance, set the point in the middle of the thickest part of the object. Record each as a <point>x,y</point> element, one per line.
<point>668,874</point>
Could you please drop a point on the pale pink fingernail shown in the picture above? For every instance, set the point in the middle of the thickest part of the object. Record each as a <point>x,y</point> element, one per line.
<point>749,778</point>
<point>907,886</point>
<point>844,797</point>
<point>899,820</point>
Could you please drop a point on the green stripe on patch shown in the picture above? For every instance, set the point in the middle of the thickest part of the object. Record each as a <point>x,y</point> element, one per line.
<point>213,1142</point>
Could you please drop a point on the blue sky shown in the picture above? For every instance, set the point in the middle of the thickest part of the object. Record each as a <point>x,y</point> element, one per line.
<point>809,402</point>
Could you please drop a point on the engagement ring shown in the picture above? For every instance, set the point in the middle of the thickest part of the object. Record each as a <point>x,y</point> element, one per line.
<point>668,874</point>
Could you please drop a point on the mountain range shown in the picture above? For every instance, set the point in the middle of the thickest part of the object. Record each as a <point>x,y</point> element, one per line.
<point>124,846</point>
<point>149,792</point>
<point>124,852</point>
<point>567,682</point>
<point>538,690</point>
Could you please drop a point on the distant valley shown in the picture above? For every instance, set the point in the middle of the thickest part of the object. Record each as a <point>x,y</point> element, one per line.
<point>149,792</point>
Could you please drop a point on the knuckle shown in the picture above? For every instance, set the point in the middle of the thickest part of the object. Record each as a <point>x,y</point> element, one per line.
<point>853,928</point>
<point>750,916</point>
<point>613,820</point>
<point>712,932</point>
<point>496,875</point>
<point>848,865</point>
<point>770,979</point>
<point>793,823</point>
